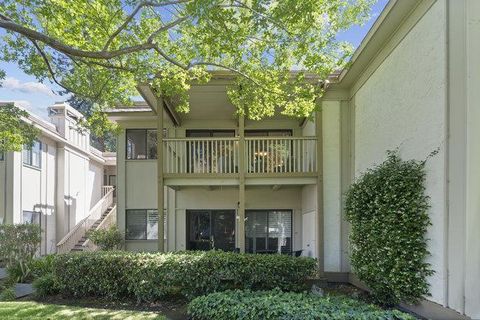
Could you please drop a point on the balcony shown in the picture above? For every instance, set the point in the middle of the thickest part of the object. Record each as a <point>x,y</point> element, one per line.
<point>219,157</point>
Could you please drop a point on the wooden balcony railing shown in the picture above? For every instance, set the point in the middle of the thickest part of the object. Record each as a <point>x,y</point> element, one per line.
<point>200,155</point>
<point>280,154</point>
<point>263,155</point>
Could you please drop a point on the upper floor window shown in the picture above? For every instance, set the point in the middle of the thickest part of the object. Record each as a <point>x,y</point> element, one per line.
<point>2,156</point>
<point>32,156</point>
<point>141,144</point>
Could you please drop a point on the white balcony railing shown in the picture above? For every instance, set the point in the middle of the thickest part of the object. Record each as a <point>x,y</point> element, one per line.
<point>281,154</point>
<point>200,155</point>
<point>263,155</point>
<point>80,229</point>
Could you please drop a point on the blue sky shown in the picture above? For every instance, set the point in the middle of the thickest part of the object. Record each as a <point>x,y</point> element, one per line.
<point>36,97</point>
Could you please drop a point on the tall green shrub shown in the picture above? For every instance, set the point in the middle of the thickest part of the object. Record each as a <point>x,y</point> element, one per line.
<point>18,245</point>
<point>387,208</point>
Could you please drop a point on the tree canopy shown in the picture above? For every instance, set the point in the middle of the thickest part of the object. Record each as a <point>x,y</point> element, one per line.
<point>15,131</point>
<point>99,50</point>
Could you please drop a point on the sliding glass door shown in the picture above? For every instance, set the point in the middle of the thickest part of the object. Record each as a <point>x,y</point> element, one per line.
<point>268,231</point>
<point>211,229</point>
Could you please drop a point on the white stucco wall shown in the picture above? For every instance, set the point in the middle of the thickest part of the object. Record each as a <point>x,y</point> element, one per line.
<point>403,105</point>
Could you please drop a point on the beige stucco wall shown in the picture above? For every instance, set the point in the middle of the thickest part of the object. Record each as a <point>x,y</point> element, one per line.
<point>331,185</point>
<point>472,222</point>
<point>403,105</point>
<point>3,182</point>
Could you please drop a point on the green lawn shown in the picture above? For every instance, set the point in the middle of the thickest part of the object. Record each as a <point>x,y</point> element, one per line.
<point>42,310</point>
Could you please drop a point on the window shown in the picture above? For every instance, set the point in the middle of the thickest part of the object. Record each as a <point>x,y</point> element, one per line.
<point>268,231</point>
<point>141,144</point>
<point>31,217</point>
<point>142,224</point>
<point>32,156</point>
<point>268,133</point>
<point>2,156</point>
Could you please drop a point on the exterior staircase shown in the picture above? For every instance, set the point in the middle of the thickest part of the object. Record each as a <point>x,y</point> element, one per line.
<point>101,216</point>
<point>80,246</point>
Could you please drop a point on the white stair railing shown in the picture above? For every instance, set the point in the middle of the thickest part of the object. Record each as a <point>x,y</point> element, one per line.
<point>109,220</point>
<point>71,238</point>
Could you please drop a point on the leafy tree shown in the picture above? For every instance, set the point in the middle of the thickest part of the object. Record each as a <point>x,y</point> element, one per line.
<point>102,132</point>
<point>101,49</point>
<point>14,131</point>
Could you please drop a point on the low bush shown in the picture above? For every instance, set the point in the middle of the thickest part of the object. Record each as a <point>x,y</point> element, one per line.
<point>42,266</point>
<point>18,245</point>
<point>275,304</point>
<point>30,270</point>
<point>149,276</point>
<point>107,239</point>
<point>7,294</point>
<point>45,286</point>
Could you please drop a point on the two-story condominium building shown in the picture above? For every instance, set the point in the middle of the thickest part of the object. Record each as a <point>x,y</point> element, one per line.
<point>58,181</point>
<point>277,185</point>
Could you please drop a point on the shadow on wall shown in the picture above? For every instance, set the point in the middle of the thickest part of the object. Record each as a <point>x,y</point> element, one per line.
<point>44,211</point>
<point>70,212</point>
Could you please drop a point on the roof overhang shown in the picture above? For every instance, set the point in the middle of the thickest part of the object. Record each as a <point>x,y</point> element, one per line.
<point>154,101</point>
<point>386,25</point>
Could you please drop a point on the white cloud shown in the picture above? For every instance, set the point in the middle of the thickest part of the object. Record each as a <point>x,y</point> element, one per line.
<point>27,87</point>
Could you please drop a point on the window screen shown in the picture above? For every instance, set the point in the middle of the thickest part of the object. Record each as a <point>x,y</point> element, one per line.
<point>32,156</point>
<point>142,224</point>
<point>141,144</point>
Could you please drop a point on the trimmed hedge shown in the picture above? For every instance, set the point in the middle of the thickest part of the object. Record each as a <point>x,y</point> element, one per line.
<point>275,304</point>
<point>388,211</point>
<point>153,276</point>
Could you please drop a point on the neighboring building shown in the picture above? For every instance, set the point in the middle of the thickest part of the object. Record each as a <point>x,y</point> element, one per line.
<point>278,184</point>
<point>56,182</point>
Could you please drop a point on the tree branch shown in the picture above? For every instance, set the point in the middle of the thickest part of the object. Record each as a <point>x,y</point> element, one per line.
<point>49,67</point>
<point>134,13</point>
<point>61,47</point>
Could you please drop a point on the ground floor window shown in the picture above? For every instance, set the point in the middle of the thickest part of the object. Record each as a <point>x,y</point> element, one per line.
<point>31,217</point>
<point>211,229</point>
<point>268,231</point>
<point>142,224</point>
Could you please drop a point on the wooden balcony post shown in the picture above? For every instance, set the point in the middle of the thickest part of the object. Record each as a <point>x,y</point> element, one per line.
<point>319,216</point>
<point>241,186</point>
<point>160,182</point>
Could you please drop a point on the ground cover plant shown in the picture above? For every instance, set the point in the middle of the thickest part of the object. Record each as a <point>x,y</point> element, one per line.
<point>388,211</point>
<point>275,304</point>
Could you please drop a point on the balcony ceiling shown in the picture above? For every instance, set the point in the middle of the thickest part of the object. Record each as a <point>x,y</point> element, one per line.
<point>210,102</point>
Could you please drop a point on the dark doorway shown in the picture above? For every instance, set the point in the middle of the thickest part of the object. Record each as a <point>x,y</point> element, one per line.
<point>211,229</point>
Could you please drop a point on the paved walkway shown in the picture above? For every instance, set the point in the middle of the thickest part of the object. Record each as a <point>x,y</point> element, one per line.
<point>3,273</point>
<point>23,289</point>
